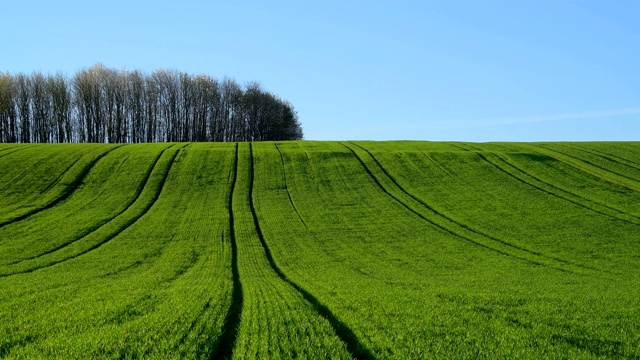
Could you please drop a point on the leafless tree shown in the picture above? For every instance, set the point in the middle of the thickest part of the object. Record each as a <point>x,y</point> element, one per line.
<point>99,104</point>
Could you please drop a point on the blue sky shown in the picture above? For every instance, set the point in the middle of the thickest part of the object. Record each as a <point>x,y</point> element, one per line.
<point>379,70</point>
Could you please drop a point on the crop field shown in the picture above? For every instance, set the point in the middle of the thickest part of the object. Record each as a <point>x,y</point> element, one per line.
<point>366,250</point>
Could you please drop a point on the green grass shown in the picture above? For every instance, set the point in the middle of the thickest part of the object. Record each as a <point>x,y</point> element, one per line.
<point>320,250</point>
<point>35,177</point>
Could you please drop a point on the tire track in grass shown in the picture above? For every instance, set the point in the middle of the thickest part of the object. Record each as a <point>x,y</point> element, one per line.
<point>65,194</point>
<point>346,335</point>
<point>606,156</point>
<point>115,232</point>
<point>55,182</point>
<point>558,189</point>
<point>105,222</point>
<point>449,231</point>
<point>435,163</point>
<point>197,320</point>
<point>5,148</point>
<point>480,233</point>
<point>227,340</point>
<point>574,162</point>
<point>591,163</point>
<point>477,232</point>
<point>633,163</point>
<point>460,146</point>
<point>15,149</point>
<point>466,227</point>
<point>510,164</point>
<point>137,194</point>
<point>286,187</point>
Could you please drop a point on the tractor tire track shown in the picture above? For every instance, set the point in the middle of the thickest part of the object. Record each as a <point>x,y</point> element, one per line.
<point>194,322</point>
<point>558,189</point>
<point>460,146</point>
<point>5,148</point>
<point>464,226</point>
<point>69,168</point>
<point>592,164</point>
<point>346,335</point>
<point>472,147</point>
<point>115,233</point>
<point>286,187</point>
<point>554,154</point>
<point>420,215</point>
<point>201,318</point>
<point>72,188</point>
<point>56,181</point>
<point>438,213</point>
<point>15,149</point>
<point>609,157</point>
<point>226,342</point>
<point>435,163</point>
<point>480,233</point>
<point>137,194</point>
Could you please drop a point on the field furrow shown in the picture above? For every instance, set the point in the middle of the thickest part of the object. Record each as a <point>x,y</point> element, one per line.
<point>227,340</point>
<point>357,350</point>
<point>459,229</point>
<point>89,231</point>
<point>4,147</point>
<point>114,182</point>
<point>592,190</point>
<point>508,168</point>
<point>589,167</point>
<point>145,197</point>
<point>606,156</point>
<point>499,205</point>
<point>623,151</point>
<point>286,187</point>
<point>276,320</point>
<point>166,276</point>
<point>12,149</point>
<point>604,162</point>
<point>335,260</point>
<point>55,191</point>
<point>309,249</point>
<point>423,217</point>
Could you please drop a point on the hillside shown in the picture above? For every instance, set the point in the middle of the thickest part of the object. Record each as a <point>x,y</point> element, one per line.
<point>320,250</point>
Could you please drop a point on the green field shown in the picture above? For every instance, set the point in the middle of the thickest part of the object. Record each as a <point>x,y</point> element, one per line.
<point>368,250</point>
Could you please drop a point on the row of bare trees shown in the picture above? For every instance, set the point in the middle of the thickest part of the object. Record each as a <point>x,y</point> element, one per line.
<point>104,105</point>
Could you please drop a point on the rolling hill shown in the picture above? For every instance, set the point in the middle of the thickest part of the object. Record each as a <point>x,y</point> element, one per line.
<point>320,250</point>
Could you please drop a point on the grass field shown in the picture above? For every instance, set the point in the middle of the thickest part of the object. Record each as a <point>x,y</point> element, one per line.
<point>367,250</point>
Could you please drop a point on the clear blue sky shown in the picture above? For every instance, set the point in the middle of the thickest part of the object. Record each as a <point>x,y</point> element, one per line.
<point>425,70</point>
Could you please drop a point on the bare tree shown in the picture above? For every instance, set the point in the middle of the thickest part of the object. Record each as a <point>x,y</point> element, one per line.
<point>23,92</point>
<point>136,106</point>
<point>8,128</point>
<point>60,98</point>
<point>99,104</point>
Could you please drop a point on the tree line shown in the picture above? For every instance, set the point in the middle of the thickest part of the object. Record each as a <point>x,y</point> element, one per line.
<point>104,105</point>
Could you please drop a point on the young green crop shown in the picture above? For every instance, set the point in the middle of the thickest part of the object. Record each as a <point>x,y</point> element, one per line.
<point>35,177</point>
<point>160,288</point>
<point>320,250</point>
<point>113,186</point>
<point>276,321</point>
<point>550,276</point>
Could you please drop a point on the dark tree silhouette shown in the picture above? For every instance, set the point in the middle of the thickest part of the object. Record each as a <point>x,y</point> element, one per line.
<point>104,105</point>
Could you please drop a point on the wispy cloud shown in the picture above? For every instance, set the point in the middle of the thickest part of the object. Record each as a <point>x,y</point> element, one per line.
<point>545,118</point>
